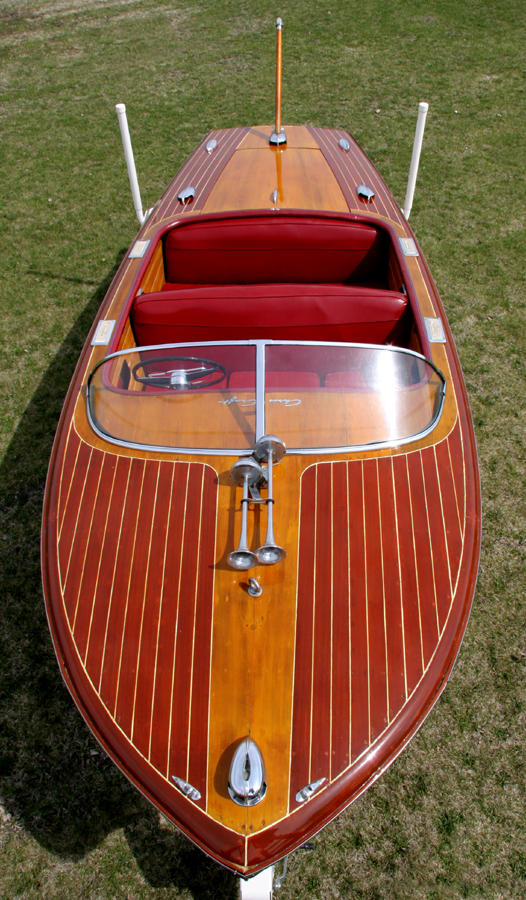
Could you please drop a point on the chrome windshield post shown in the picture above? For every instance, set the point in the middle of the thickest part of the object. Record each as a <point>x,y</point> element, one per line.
<point>261,349</point>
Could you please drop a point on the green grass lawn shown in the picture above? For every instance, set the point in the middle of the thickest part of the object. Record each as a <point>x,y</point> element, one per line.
<point>448,820</point>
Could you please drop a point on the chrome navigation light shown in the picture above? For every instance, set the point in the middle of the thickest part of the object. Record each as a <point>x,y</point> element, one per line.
<point>246,782</point>
<point>365,193</point>
<point>187,789</point>
<point>309,790</point>
<point>187,193</point>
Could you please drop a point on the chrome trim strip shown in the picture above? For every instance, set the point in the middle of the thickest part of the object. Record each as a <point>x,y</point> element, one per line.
<point>295,451</point>
<point>408,246</point>
<point>139,249</point>
<point>103,333</point>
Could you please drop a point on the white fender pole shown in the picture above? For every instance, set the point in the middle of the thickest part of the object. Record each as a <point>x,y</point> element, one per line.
<point>415,159</point>
<point>130,162</point>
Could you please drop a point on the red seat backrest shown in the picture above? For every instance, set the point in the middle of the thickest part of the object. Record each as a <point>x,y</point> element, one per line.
<point>278,381</point>
<point>264,250</point>
<point>323,312</point>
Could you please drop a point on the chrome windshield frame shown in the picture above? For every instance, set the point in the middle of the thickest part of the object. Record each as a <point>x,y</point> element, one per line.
<point>260,346</point>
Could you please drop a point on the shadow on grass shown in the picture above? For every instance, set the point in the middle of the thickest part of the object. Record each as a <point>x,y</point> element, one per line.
<point>53,779</point>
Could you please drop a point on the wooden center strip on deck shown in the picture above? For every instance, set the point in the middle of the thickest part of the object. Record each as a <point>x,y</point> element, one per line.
<point>253,651</point>
<point>301,177</point>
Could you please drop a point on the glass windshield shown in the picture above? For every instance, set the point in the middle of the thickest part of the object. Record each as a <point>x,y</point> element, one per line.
<point>336,396</point>
<point>221,397</point>
<point>177,397</point>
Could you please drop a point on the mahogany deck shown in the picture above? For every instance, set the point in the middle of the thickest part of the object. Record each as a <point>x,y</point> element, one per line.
<point>337,664</point>
<point>137,589</point>
<point>377,579</point>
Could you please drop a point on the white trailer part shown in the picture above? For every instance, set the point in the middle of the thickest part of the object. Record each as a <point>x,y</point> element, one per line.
<point>259,887</point>
<point>415,159</point>
<point>130,162</point>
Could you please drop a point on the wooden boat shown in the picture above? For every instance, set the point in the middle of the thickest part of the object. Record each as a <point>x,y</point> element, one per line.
<point>262,516</point>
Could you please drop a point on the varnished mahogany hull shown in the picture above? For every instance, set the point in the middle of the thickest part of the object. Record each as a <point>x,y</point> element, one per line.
<point>153,634</point>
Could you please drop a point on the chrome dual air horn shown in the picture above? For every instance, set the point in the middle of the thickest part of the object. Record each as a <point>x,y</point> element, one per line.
<point>270,449</point>
<point>248,472</point>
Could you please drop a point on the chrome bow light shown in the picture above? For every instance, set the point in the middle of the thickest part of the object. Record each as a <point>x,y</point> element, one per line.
<point>245,471</point>
<point>246,781</point>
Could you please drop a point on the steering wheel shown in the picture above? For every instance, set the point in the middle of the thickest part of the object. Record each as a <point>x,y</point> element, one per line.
<point>181,378</point>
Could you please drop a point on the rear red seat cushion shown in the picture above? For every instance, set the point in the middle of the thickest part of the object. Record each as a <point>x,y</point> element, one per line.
<point>278,311</point>
<point>266,250</point>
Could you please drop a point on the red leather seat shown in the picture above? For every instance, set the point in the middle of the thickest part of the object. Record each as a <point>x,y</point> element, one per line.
<point>312,312</point>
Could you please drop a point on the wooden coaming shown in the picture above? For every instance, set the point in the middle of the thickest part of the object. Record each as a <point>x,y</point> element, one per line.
<point>335,666</point>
